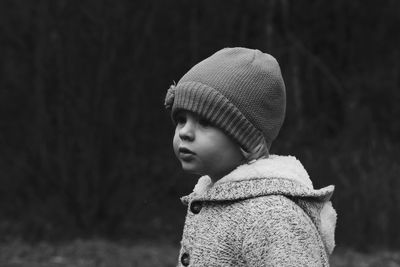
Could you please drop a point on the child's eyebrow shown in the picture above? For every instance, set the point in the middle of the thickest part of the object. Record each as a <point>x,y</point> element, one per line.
<point>186,112</point>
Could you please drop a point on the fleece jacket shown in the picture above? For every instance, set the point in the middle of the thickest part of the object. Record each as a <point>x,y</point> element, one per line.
<point>266,213</point>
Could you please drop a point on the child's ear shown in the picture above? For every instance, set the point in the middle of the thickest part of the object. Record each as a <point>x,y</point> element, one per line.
<point>244,153</point>
<point>261,151</point>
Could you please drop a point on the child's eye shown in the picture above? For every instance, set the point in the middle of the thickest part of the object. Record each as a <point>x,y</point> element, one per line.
<point>180,119</point>
<point>204,122</point>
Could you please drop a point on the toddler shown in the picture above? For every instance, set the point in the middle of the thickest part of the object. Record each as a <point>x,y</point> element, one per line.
<point>249,208</point>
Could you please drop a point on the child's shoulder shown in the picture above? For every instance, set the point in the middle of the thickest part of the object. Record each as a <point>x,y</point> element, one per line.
<point>264,203</point>
<point>273,207</point>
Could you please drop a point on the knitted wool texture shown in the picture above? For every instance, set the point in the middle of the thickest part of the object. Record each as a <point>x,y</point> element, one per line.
<point>259,215</point>
<point>239,90</point>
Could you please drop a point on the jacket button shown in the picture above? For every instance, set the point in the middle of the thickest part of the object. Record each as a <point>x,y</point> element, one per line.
<point>185,259</point>
<point>195,207</point>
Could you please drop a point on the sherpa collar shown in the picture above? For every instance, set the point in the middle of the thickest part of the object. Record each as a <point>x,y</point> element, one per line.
<point>274,175</point>
<point>272,167</point>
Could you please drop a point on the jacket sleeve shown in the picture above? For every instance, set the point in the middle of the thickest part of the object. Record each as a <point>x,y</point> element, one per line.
<point>282,235</point>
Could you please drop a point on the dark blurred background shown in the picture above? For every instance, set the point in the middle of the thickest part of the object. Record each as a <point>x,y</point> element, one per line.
<point>86,143</point>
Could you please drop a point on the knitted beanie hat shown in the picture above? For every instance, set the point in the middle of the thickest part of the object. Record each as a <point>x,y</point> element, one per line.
<point>239,90</point>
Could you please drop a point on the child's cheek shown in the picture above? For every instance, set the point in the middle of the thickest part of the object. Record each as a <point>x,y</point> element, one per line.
<point>175,143</point>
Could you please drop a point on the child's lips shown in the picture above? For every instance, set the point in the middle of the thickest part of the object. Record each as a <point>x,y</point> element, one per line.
<point>184,150</point>
<point>185,153</point>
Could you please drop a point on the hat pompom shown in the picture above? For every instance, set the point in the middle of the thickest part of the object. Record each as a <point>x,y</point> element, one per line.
<point>169,98</point>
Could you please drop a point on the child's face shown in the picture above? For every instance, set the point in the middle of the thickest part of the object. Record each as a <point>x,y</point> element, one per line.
<point>204,149</point>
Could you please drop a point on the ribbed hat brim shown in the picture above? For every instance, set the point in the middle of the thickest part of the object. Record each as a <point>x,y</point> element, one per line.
<point>216,108</point>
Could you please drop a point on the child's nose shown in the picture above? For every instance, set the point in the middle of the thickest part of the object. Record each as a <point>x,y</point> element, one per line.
<point>187,131</point>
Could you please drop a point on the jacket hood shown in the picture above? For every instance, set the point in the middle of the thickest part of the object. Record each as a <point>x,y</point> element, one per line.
<point>283,175</point>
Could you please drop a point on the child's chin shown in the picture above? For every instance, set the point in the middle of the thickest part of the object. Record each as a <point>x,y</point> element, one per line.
<point>189,168</point>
